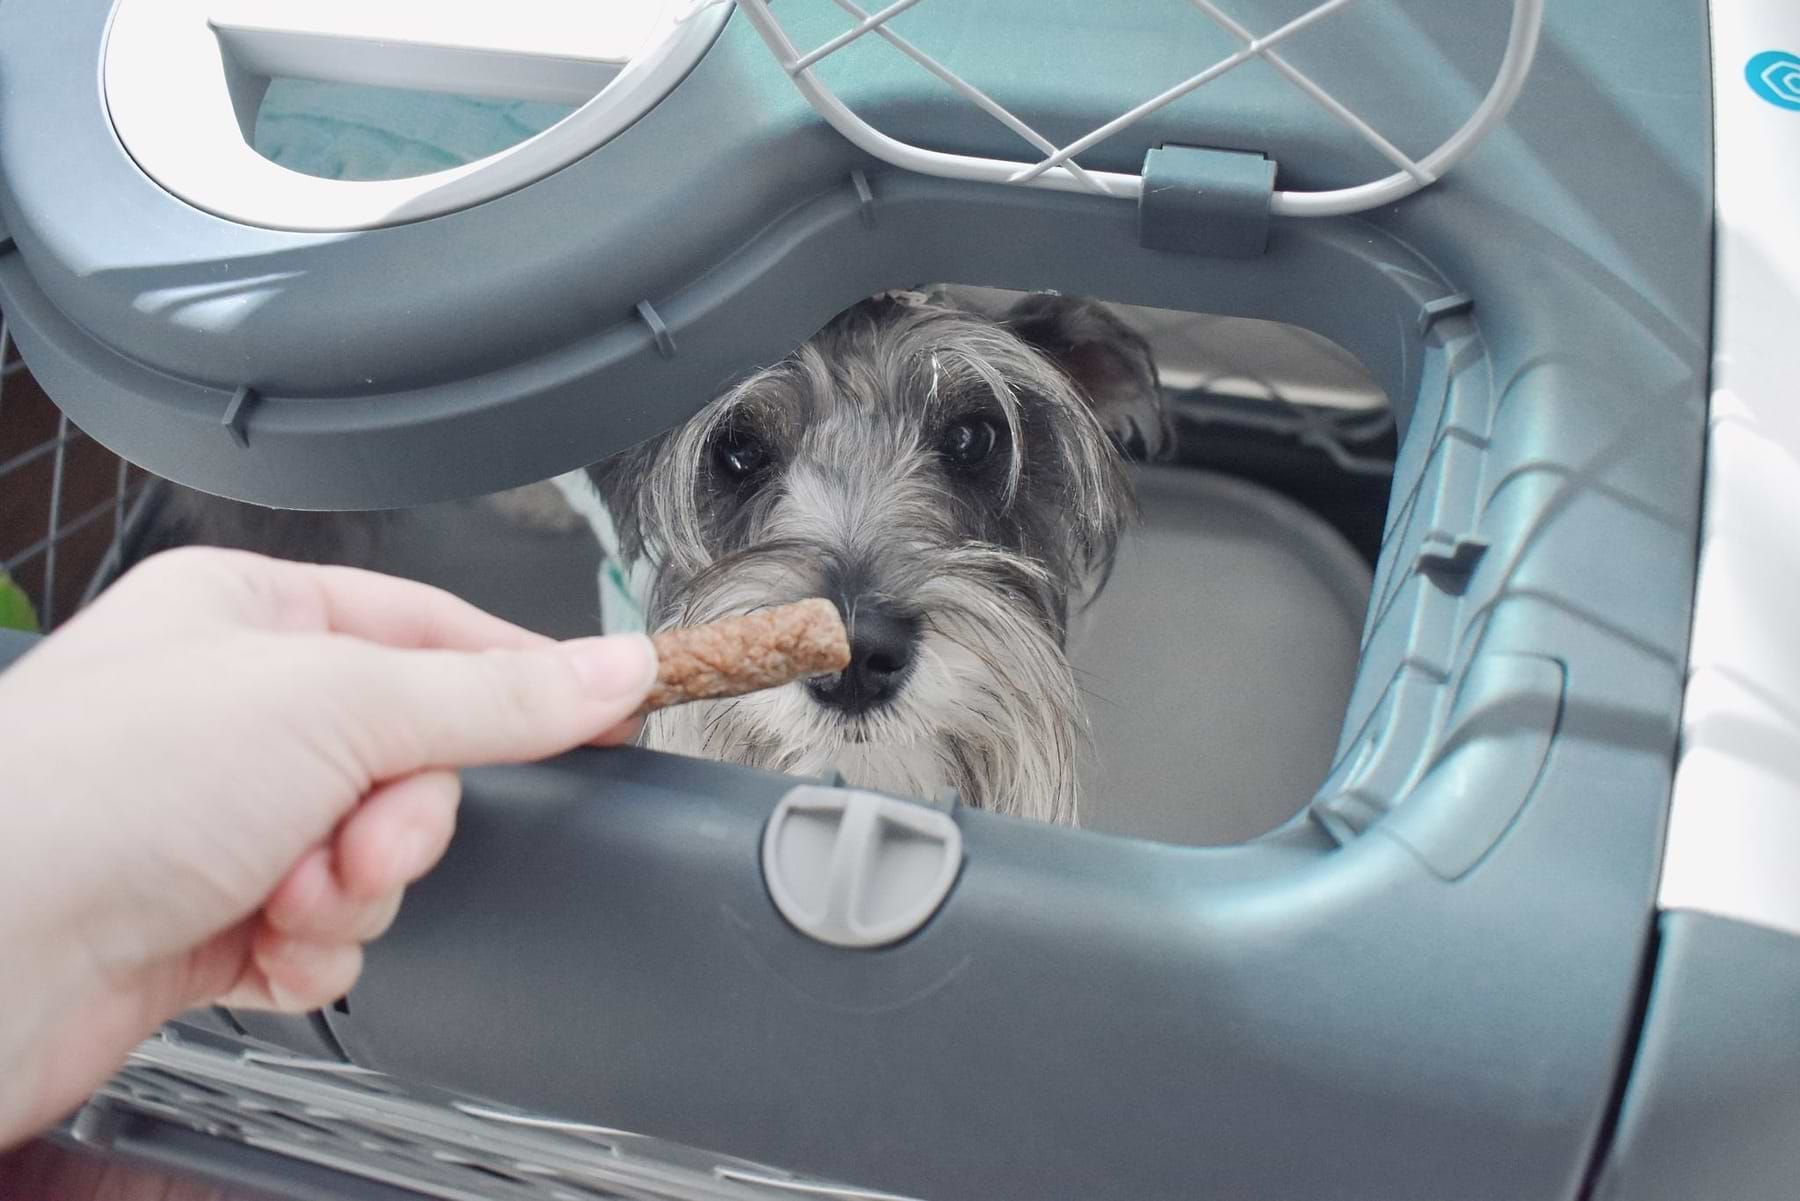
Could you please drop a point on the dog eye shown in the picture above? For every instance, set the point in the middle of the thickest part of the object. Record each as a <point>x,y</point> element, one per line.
<point>740,455</point>
<point>969,441</point>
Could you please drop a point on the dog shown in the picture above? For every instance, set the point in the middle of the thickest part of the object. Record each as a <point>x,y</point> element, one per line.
<point>956,482</point>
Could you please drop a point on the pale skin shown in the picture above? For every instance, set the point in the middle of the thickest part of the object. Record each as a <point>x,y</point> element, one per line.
<point>218,780</point>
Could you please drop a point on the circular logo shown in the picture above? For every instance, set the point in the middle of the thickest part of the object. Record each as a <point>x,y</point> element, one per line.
<point>1775,76</point>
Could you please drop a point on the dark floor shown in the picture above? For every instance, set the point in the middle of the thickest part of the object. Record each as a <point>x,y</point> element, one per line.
<point>42,1172</point>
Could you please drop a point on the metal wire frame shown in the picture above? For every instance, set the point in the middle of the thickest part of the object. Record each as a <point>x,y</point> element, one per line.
<point>1058,170</point>
<point>45,552</point>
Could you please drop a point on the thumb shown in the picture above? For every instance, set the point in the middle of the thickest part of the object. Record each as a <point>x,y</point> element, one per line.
<point>433,708</point>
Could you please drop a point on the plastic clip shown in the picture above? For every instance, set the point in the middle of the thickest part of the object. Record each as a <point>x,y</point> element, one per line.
<point>1212,202</point>
<point>865,197</point>
<point>665,341</point>
<point>237,413</point>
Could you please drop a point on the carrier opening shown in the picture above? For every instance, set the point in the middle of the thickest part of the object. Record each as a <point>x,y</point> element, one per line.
<point>1227,635</point>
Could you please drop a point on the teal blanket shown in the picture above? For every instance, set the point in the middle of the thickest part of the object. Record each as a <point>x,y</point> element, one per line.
<point>346,131</point>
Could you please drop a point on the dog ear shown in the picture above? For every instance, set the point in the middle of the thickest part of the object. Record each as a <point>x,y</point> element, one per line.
<point>619,481</point>
<point>1108,362</point>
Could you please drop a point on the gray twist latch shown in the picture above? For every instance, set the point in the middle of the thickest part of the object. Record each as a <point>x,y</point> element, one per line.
<point>857,869</point>
<point>1202,201</point>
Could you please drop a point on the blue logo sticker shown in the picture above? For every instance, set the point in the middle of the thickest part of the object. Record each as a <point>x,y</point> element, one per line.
<point>1775,76</point>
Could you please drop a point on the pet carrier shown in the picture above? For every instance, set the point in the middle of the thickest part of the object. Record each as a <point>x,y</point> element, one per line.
<point>1513,946</point>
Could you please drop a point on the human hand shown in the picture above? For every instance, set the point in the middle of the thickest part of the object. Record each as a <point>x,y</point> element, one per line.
<point>219,778</point>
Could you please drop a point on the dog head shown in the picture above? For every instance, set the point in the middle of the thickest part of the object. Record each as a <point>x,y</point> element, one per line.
<point>955,483</point>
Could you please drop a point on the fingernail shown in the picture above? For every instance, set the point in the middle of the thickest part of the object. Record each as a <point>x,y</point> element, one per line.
<point>619,665</point>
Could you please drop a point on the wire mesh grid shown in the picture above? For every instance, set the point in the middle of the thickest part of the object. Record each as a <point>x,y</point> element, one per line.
<point>1058,169</point>
<point>365,1125</point>
<point>65,503</point>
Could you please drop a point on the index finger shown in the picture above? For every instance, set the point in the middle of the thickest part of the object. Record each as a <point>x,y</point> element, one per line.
<point>404,613</point>
<point>279,594</point>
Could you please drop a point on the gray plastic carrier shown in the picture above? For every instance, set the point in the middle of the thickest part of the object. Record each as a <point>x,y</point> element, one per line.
<point>1428,985</point>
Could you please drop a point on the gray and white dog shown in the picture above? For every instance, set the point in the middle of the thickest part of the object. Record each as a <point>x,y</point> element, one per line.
<point>956,482</point>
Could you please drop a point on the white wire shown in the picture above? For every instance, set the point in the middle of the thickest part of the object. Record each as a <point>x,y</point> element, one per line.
<point>1163,99</point>
<point>1521,48</point>
<point>1056,172</point>
<point>903,154</point>
<point>1323,98</point>
<point>843,39</point>
<point>973,94</point>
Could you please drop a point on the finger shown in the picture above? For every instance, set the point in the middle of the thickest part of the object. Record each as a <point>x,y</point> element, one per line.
<point>397,834</point>
<point>402,710</point>
<point>215,969</point>
<point>296,976</point>
<point>624,734</point>
<point>389,610</point>
<point>350,888</point>
<point>374,918</point>
<point>186,586</point>
<point>208,583</point>
<point>235,969</point>
<point>308,898</point>
<point>311,904</point>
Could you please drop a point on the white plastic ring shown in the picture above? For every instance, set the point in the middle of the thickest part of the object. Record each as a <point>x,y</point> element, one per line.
<point>168,78</point>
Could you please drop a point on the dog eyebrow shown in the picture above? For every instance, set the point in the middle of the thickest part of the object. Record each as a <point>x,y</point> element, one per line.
<point>956,385</point>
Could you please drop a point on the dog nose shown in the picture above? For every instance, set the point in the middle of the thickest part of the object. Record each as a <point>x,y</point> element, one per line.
<point>883,639</point>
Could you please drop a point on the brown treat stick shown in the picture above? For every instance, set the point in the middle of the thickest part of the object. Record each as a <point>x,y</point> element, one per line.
<point>735,655</point>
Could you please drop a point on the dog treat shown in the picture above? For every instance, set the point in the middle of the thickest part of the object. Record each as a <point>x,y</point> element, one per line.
<point>765,649</point>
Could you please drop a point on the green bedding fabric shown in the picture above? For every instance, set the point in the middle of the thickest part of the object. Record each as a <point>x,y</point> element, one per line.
<point>347,131</point>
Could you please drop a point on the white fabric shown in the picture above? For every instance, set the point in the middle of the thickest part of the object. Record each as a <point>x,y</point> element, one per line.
<point>622,591</point>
